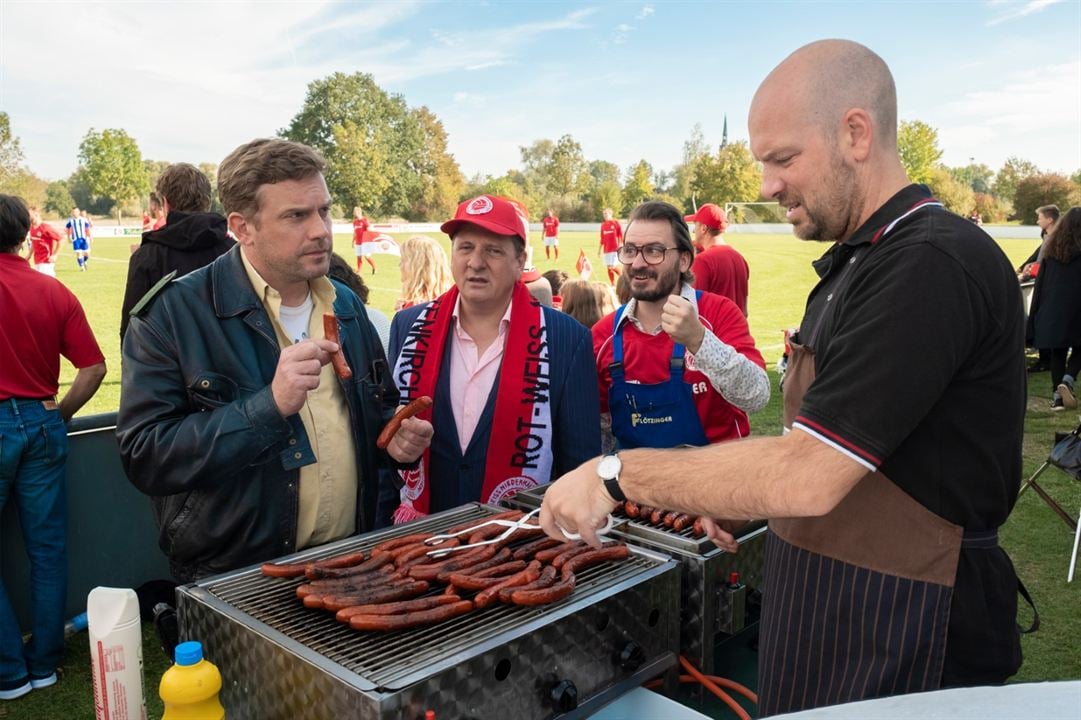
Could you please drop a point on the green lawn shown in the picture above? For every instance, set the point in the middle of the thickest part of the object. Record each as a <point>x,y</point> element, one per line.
<point>781,275</point>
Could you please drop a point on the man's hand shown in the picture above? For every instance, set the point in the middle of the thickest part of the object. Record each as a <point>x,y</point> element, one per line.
<point>412,439</point>
<point>719,531</point>
<point>577,503</point>
<point>298,372</point>
<point>679,318</point>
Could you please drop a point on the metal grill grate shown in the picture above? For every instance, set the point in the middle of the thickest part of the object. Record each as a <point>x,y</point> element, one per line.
<point>386,658</point>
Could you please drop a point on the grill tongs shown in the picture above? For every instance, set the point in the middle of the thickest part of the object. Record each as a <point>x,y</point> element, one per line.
<point>511,526</point>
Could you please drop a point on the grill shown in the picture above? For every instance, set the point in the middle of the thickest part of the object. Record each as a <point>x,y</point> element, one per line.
<point>711,611</point>
<point>279,659</point>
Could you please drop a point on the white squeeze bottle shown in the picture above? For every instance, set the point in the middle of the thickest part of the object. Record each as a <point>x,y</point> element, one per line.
<point>116,653</point>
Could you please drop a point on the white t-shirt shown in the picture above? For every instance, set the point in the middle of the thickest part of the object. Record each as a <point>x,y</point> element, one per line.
<point>296,320</point>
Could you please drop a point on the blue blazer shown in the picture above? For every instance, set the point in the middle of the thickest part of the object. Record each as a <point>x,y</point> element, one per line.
<point>457,476</point>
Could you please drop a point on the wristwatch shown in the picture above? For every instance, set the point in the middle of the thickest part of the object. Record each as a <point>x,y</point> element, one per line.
<point>609,468</point>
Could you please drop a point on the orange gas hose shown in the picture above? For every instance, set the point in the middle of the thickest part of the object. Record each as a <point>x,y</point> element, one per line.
<point>714,688</point>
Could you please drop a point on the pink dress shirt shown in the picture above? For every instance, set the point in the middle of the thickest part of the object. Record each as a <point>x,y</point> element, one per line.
<point>472,377</point>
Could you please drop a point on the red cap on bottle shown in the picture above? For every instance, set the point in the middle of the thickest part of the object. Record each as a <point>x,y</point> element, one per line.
<point>733,578</point>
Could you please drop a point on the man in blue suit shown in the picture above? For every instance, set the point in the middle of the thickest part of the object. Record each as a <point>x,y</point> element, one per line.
<point>513,382</point>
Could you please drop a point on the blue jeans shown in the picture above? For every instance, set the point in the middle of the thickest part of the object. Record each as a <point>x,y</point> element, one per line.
<point>33,450</point>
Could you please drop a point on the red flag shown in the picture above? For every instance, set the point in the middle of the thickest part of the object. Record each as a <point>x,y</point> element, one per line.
<point>583,261</point>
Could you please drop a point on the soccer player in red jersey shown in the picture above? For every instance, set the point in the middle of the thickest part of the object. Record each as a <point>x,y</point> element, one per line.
<point>44,244</point>
<point>611,239</point>
<point>551,234</point>
<point>361,245</point>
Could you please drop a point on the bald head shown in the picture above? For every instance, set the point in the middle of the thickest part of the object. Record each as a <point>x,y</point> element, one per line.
<point>826,79</point>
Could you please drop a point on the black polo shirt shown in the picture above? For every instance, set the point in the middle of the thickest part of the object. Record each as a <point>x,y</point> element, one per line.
<point>918,333</point>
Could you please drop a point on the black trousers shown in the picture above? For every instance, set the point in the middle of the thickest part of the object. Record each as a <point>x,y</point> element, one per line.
<point>1060,365</point>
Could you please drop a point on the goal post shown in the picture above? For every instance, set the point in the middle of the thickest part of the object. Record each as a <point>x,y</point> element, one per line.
<point>748,213</point>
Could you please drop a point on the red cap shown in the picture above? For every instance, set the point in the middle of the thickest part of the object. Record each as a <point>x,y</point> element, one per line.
<point>711,216</point>
<point>493,213</point>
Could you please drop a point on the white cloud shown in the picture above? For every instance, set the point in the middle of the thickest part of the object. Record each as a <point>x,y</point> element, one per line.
<point>645,12</point>
<point>208,76</point>
<point>1030,7</point>
<point>1033,114</point>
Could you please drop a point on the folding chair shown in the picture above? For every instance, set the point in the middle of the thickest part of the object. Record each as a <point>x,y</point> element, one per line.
<point>1066,456</point>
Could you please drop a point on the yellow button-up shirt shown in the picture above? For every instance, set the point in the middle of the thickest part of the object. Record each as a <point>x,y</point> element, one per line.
<point>328,488</point>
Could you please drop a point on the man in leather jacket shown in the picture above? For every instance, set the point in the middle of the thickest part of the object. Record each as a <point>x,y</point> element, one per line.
<point>232,417</point>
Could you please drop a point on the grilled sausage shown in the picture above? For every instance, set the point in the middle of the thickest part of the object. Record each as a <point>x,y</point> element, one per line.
<point>594,557</point>
<point>485,597</point>
<point>527,551</point>
<point>348,586</point>
<point>334,603</point>
<point>656,517</point>
<point>631,509</point>
<point>558,560</point>
<point>547,577</point>
<point>644,511</point>
<point>395,608</point>
<point>399,542</point>
<point>421,551</point>
<point>543,596</point>
<point>298,569</point>
<point>337,358</point>
<point>411,619</point>
<point>682,522</point>
<point>699,530</point>
<point>479,559</point>
<point>404,412</point>
<point>489,578</point>
<point>546,556</point>
<point>669,519</point>
<point>455,563</point>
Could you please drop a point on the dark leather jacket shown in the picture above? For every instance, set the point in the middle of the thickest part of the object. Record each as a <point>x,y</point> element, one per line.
<point>199,432</point>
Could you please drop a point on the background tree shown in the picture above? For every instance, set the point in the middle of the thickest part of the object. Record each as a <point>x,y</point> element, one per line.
<point>441,180</point>
<point>211,171</point>
<point>956,196</point>
<point>694,149</point>
<point>373,144</point>
<point>568,174</point>
<point>639,185</point>
<point>731,175</point>
<point>606,194</point>
<point>917,143</point>
<point>536,162</point>
<point>1013,171</point>
<point>991,208</point>
<point>603,171</point>
<point>58,198</point>
<point>1043,189</point>
<point>112,166</point>
<point>11,152</point>
<point>976,175</point>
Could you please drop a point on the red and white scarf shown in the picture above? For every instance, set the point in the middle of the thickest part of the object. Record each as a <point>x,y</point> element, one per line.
<point>520,446</point>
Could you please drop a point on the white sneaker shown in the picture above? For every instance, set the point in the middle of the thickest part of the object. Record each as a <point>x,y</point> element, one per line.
<point>1066,393</point>
<point>16,693</point>
<point>38,683</point>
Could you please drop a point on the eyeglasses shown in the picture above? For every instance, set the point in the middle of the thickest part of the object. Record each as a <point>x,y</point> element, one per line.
<point>652,254</point>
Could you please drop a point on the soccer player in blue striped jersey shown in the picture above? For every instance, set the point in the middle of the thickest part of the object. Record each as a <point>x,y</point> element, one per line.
<point>78,229</point>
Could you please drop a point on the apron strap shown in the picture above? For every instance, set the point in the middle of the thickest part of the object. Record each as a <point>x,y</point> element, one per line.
<point>1023,591</point>
<point>616,366</point>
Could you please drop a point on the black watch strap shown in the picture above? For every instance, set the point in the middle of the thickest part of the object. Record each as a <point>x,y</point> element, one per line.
<point>613,488</point>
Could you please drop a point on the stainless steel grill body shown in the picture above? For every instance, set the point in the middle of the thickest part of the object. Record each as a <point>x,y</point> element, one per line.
<point>280,660</point>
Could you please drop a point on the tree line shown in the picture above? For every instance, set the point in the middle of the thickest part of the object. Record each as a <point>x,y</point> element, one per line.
<point>392,161</point>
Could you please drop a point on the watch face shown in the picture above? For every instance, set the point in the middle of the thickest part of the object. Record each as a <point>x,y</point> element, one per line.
<point>609,466</point>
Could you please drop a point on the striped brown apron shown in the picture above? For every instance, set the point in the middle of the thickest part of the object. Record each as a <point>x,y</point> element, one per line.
<point>857,602</point>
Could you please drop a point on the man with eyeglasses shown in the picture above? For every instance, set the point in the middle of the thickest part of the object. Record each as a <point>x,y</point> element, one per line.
<point>515,394</point>
<point>675,366</point>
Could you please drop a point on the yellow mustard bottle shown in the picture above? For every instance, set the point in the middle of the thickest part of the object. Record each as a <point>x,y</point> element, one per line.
<point>190,688</point>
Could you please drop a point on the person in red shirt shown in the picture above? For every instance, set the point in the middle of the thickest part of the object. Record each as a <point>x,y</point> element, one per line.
<point>41,320</point>
<point>611,239</point>
<point>44,244</point>
<point>647,400</point>
<point>551,234</point>
<point>718,268</point>
<point>362,244</point>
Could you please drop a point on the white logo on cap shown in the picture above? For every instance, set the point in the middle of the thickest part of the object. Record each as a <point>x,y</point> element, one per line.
<point>479,206</point>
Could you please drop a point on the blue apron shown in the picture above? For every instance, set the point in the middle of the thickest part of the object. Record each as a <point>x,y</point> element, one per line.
<point>658,415</point>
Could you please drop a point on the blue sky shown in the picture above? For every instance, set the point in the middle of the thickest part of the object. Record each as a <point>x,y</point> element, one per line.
<point>190,81</point>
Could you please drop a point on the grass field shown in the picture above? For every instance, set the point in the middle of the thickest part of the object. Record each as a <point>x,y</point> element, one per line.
<point>781,275</point>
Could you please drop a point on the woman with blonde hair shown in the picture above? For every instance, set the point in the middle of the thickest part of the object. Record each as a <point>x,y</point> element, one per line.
<point>425,271</point>
<point>582,302</point>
